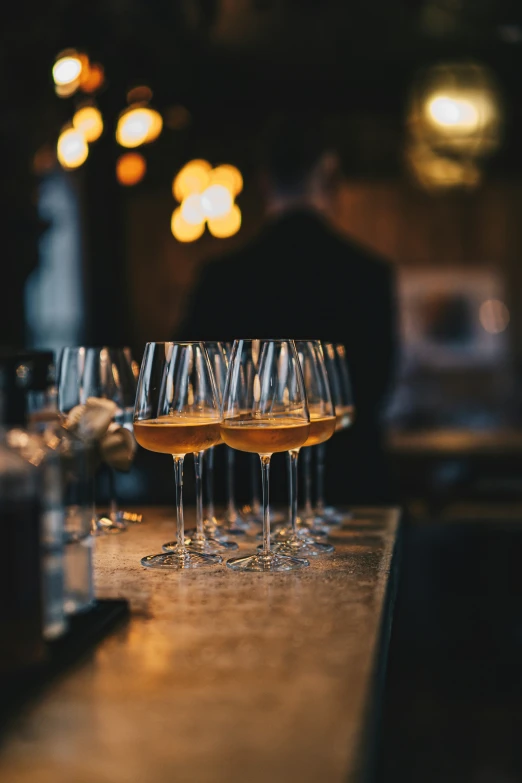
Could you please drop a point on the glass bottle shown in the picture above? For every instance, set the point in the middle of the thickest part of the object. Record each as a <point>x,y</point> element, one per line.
<point>22,643</point>
<point>33,428</point>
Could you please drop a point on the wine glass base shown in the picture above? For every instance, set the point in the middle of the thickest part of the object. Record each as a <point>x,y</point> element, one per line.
<point>334,516</point>
<point>178,561</point>
<point>297,547</point>
<point>104,526</point>
<point>263,563</point>
<point>283,534</point>
<point>210,546</point>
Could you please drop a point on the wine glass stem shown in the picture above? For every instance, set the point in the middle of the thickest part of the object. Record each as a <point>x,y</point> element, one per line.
<point>198,458</point>
<point>293,455</point>
<point>209,482</point>
<point>231,504</point>
<point>255,491</point>
<point>265,480</point>
<point>319,504</point>
<point>308,512</point>
<point>178,476</point>
<point>113,503</point>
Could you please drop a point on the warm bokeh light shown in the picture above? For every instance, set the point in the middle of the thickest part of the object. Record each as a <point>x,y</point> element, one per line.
<point>183,231</point>
<point>89,121</point>
<point>453,112</point>
<point>216,201</point>
<point>72,149</point>
<point>139,94</point>
<point>436,172</point>
<point>67,69</point>
<point>228,176</point>
<point>92,78</point>
<point>226,226</point>
<point>494,316</point>
<point>192,209</point>
<point>66,90</point>
<point>192,178</point>
<point>138,125</point>
<point>130,168</point>
<point>455,108</point>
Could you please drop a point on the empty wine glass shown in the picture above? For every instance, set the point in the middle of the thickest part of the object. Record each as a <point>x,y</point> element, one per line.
<point>108,375</point>
<point>342,394</point>
<point>322,427</point>
<point>265,411</point>
<point>89,372</point>
<point>208,536</point>
<point>177,412</point>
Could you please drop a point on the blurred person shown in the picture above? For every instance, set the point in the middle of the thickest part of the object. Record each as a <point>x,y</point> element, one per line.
<point>300,278</point>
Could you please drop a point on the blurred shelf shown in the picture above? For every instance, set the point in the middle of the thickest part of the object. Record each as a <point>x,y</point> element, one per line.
<point>455,442</point>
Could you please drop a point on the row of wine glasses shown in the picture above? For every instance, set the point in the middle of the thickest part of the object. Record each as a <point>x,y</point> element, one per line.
<point>271,396</point>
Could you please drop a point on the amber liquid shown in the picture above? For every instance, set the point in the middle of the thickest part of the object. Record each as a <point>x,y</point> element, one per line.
<point>344,415</point>
<point>321,428</point>
<point>178,434</point>
<point>266,436</point>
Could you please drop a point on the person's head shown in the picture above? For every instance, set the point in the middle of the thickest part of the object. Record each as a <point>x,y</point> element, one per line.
<point>297,162</point>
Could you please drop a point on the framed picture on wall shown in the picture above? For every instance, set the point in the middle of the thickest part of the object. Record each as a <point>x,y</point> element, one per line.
<point>452,318</point>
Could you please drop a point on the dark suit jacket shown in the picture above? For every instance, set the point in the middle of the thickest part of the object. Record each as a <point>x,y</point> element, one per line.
<point>300,279</point>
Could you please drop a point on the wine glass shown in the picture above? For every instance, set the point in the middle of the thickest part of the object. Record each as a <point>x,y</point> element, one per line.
<point>208,536</point>
<point>177,412</point>
<point>342,394</point>
<point>128,370</point>
<point>108,375</point>
<point>322,427</point>
<point>265,411</point>
<point>75,385</point>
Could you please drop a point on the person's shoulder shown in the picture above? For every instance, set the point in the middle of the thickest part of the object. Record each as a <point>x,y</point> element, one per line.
<point>229,265</point>
<point>366,260</point>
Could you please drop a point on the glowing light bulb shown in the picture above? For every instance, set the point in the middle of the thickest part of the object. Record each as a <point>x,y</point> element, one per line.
<point>138,125</point>
<point>89,121</point>
<point>192,178</point>
<point>226,226</point>
<point>72,149</point>
<point>67,69</point>
<point>453,112</point>
<point>216,201</point>
<point>183,231</point>
<point>228,176</point>
<point>130,168</point>
<point>192,209</point>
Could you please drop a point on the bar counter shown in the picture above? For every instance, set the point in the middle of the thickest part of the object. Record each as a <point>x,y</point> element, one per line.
<point>221,676</point>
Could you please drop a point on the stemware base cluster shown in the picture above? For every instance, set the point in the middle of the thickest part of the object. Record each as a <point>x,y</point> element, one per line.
<point>180,559</point>
<point>266,561</point>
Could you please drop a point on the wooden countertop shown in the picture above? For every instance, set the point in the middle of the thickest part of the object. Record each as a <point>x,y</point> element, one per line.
<point>221,676</point>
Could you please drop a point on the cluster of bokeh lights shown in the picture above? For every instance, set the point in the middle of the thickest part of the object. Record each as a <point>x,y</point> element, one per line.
<point>206,197</point>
